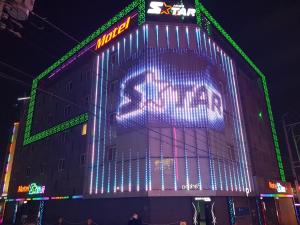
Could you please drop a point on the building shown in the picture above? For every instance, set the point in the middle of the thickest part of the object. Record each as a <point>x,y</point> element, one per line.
<point>158,112</point>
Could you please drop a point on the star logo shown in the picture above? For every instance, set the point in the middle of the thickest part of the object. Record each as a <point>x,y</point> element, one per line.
<point>166,9</point>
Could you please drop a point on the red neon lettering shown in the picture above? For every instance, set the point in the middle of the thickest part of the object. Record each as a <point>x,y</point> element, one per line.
<point>113,34</point>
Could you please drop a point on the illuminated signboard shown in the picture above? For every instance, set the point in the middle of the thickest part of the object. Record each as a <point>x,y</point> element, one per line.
<point>113,33</point>
<point>162,8</point>
<point>165,96</point>
<point>277,186</point>
<point>31,189</point>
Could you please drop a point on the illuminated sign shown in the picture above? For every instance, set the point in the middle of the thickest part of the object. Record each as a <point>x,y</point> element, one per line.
<point>184,101</point>
<point>190,186</point>
<point>160,8</point>
<point>277,186</point>
<point>206,199</point>
<point>31,189</point>
<point>115,32</point>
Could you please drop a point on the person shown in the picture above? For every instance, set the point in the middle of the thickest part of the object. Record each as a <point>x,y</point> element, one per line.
<point>134,220</point>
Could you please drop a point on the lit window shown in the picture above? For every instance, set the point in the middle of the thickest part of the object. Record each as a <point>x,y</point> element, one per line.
<point>84,129</point>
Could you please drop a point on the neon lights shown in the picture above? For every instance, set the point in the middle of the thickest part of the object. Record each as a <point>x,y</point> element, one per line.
<point>206,199</point>
<point>10,159</point>
<point>31,189</point>
<point>114,33</point>
<point>191,98</point>
<point>277,186</point>
<point>162,8</point>
<point>276,196</point>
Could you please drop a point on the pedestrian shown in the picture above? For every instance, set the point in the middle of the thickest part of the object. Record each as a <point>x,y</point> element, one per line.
<point>134,220</point>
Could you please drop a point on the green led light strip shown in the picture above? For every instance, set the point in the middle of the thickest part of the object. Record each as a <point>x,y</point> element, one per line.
<point>201,9</point>
<point>28,138</point>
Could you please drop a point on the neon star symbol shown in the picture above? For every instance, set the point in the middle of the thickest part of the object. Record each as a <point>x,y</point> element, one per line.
<point>166,9</point>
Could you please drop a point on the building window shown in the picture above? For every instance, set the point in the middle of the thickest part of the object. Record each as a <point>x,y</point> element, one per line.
<point>27,171</point>
<point>42,168</point>
<point>110,154</point>
<point>231,152</point>
<point>67,110</point>
<point>69,86</point>
<point>112,118</point>
<point>61,165</point>
<point>65,136</point>
<point>84,129</point>
<point>82,159</point>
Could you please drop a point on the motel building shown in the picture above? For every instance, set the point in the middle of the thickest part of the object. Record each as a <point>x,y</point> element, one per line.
<point>159,112</point>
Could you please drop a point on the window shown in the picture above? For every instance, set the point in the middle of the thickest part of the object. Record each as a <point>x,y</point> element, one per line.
<point>42,168</point>
<point>82,159</point>
<point>61,165</point>
<point>69,86</point>
<point>231,152</point>
<point>64,136</point>
<point>110,154</point>
<point>112,118</point>
<point>84,129</point>
<point>27,171</point>
<point>67,110</point>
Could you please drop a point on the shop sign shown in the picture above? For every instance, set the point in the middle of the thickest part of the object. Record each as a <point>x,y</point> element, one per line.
<point>277,186</point>
<point>162,8</point>
<point>31,189</point>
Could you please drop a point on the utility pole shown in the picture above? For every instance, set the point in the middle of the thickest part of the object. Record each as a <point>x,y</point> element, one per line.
<point>286,128</point>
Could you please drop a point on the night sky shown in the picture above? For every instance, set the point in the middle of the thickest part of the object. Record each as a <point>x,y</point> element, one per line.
<point>268,31</point>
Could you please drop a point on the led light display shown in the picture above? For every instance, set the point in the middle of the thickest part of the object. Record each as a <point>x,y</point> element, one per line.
<point>170,95</point>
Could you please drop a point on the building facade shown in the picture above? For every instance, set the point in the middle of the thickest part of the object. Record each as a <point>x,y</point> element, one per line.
<point>158,112</point>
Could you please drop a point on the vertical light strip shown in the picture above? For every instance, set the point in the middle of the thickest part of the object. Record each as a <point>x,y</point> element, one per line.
<point>137,39</point>
<point>187,180</point>
<point>10,159</point>
<point>187,36</point>
<point>198,160</point>
<point>175,162</point>
<point>146,171</point>
<point>108,177</point>
<point>220,173</point>
<point>138,171</point>
<point>130,44</point>
<point>122,173</point>
<point>156,31</point>
<point>115,174</point>
<point>99,121</point>
<point>129,172</point>
<point>225,171</point>
<point>149,172</point>
<point>105,124</point>
<point>168,38</point>
<point>161,163</point>
<point>177,36</point>
<point>94,127</point>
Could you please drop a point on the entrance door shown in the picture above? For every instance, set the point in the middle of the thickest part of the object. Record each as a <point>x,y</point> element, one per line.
<point>202,212</point>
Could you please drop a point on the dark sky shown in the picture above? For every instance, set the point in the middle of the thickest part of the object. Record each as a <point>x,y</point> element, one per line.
<point>268,31</point>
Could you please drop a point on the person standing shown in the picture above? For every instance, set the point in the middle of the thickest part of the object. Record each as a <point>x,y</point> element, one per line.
<point>134,220</point>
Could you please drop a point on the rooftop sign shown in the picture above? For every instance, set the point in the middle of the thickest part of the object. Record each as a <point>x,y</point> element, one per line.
<point>160,8</point>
